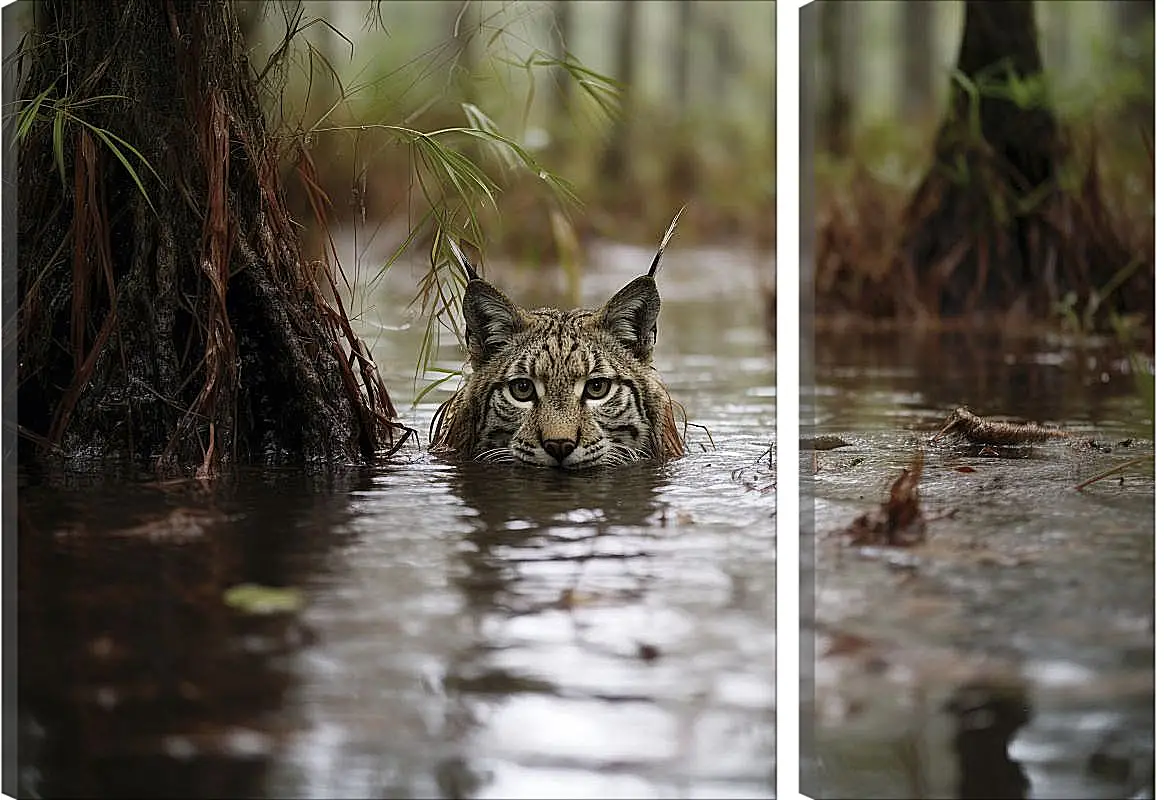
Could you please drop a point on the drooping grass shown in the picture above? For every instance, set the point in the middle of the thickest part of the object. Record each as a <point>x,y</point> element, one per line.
<point>62,112</point>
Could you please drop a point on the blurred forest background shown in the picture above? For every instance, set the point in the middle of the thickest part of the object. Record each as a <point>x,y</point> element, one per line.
<point>880,78</point>
<point>638,107</point>
<point>315,143</point>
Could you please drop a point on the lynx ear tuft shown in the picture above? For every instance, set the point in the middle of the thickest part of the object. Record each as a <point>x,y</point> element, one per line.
<point>491,320</point>
<point>458,252</point>
<point>631,315</point>
<point>663,244</point>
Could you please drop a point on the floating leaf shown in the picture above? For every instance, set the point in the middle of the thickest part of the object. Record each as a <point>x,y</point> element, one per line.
<point>251,598</point>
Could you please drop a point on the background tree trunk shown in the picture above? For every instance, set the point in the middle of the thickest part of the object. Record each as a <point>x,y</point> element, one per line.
<point>999,153</point>
<point>681,55</point>
<point>1135,20</point>
<point>726,59</point>
<point>189,333</point>
<point>990,228</point>
<point>917,59</point>
<point>561,38</point>
<point>616,156</point>
<point>1059,44</point>
<point>464,17</point>
<point>836,23</point>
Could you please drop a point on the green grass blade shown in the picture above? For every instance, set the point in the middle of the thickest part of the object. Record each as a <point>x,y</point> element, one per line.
<point>113,148</point>
<point>433,385</point>
<point>59,145</point>
<point>28,115</point>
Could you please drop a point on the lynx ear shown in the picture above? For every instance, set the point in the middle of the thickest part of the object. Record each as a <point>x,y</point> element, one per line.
<point>631,314</point>
<point>491,320</point>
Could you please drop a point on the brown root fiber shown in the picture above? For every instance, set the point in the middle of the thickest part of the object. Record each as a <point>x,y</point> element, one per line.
<point>897,522</point>
<point>183,330</point>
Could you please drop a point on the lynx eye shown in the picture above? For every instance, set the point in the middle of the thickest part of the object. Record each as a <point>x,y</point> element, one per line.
<point>596,388</point>
<point>522,389</point>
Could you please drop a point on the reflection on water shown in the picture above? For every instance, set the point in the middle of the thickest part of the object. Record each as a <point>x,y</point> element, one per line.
<point>466,631</point>
<point>913,655</point>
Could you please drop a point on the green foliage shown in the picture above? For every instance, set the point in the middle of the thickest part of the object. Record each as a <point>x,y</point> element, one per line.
<point>61,112</point>
<point>1080,316</point>
<point>465,108</point>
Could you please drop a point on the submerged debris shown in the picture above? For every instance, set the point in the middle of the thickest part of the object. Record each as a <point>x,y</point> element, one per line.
<point>823,443</point>
<point>761,476</point>
<point>973,428</point>
<point>897,522</point>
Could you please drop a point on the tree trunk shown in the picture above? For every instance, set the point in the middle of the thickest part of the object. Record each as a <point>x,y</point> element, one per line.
<point>1136,24</point>
<point>726,59</point>
<point>616,157</point>
<point>917,60</point>
<point>835,22</point>
<point>990,228</point>
<point>966,256</point>
<point>1058,43</point>
<point>183,330</point>
<point>681,56</point>
<point>462,28</point>
<point>561,37</point>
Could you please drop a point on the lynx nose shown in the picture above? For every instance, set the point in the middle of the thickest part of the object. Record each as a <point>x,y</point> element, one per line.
<point>558,448</point>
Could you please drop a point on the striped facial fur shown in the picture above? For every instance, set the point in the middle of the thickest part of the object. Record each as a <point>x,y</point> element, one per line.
<point>566,389</point>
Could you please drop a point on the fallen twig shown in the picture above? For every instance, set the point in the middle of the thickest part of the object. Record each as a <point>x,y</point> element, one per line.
<point>1117,468</point>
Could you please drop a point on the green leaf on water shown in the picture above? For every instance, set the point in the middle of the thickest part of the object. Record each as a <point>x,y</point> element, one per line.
<point>251,598</point>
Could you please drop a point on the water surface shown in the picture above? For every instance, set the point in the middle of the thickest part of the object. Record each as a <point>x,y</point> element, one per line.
<point>464,631</point>
<point>1031,598</point>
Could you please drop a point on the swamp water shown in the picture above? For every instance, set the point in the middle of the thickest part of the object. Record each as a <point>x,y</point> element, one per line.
<point>473,631</point>
<point>1028,608</point>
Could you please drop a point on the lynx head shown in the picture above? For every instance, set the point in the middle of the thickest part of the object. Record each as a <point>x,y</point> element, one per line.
<point>567,389</point>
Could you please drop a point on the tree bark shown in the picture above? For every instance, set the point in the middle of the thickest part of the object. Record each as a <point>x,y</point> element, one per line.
<point>185,330</point>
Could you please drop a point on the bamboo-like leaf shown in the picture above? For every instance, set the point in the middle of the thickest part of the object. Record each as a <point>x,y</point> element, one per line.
<point>498,145</point>
<point>105,137</point>
<point>28,114</point>
<point>59,145</point>
<point>433,385</point>
<point>123,143</point>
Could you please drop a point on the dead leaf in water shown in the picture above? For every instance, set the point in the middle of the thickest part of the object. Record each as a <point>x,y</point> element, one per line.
<point>843,644</point>
<point>964,469</point>
<point>897,522</point>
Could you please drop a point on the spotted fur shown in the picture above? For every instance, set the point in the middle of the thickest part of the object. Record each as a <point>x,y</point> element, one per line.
<point>568,389</point>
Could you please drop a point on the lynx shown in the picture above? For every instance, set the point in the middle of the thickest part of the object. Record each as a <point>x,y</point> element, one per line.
<point>565,389</point>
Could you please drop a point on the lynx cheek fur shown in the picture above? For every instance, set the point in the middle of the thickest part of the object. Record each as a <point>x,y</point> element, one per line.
<point>567,389</point>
